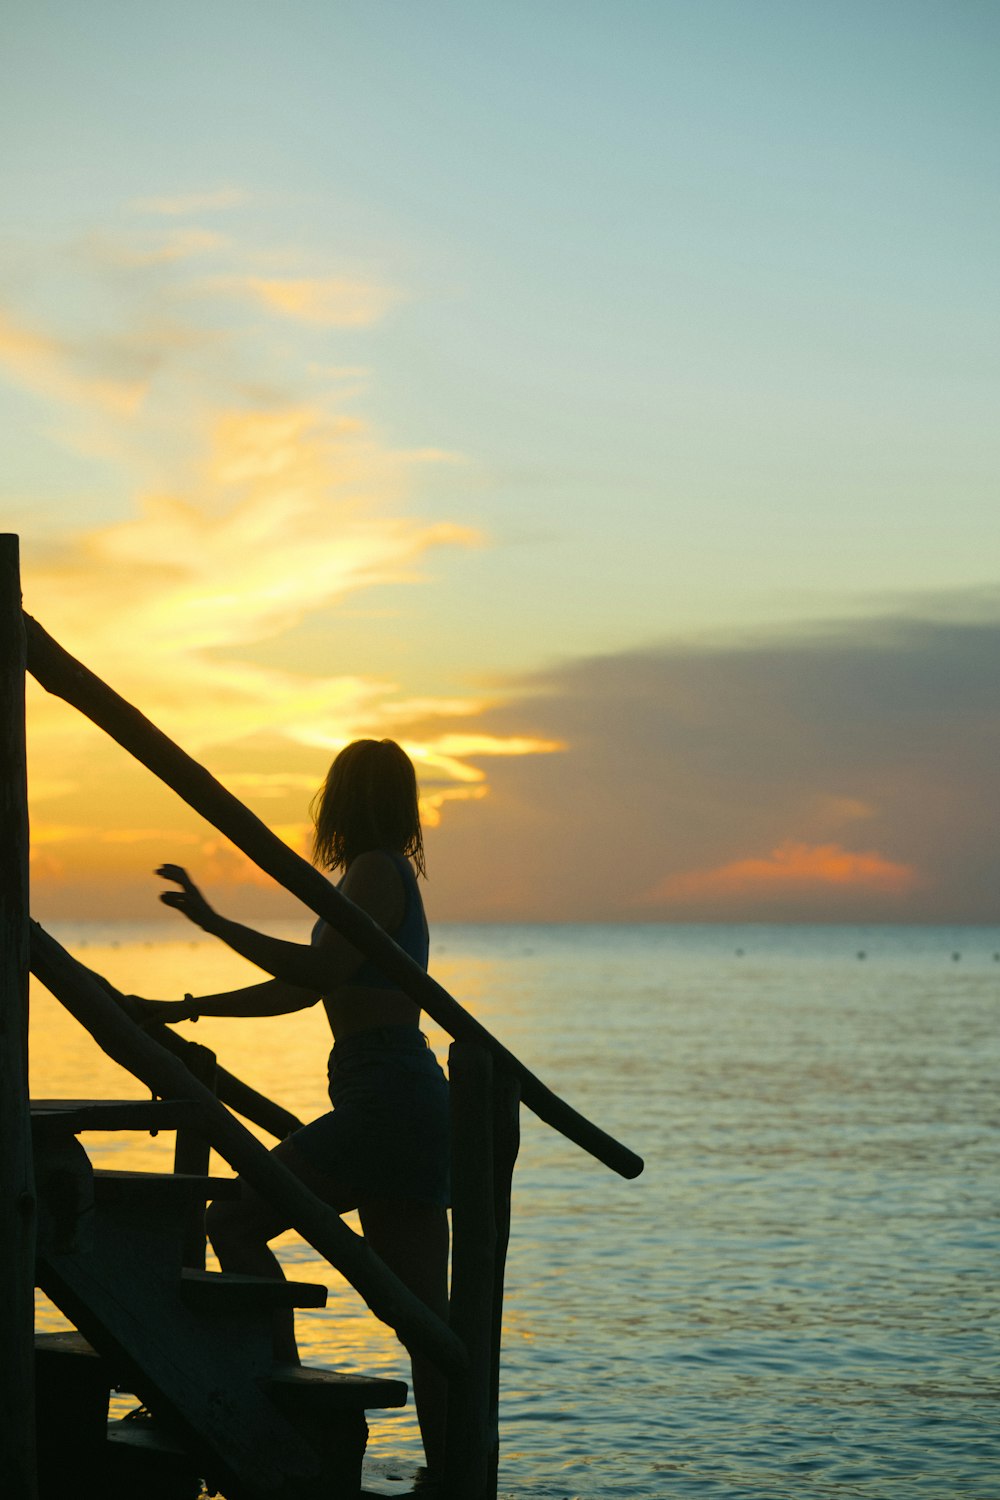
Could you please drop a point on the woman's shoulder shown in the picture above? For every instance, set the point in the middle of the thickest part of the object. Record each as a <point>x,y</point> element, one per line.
<point>377,880</point>
<point>380,864</point>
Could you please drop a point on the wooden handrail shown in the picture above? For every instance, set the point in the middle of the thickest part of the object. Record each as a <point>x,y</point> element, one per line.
<point>61,674</point>
<point>392,1302</point>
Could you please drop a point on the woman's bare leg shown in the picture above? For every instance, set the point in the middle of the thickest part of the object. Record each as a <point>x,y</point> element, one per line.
<point>240,1229</point>
<point>412,1239</point>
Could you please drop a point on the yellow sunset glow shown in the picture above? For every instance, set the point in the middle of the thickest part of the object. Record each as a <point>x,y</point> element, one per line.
<point>450,384</point>
<point>274,517</point>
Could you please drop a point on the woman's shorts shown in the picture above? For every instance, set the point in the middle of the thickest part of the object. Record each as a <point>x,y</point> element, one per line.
<point>388,1135</point>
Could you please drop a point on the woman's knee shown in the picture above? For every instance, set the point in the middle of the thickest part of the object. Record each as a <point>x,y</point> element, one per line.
<point>239,1221</point>
<point>219,1220</point>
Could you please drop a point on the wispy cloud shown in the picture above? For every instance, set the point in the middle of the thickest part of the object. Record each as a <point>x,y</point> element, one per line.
<point>64,370</point>
<point>291,516</point>
<point>155,247</point>
<point>256,507</point>
<point>325,301</point>
<point>182,204</point>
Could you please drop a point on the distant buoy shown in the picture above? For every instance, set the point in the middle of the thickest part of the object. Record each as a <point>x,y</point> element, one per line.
<point>955,957</point>
<point>739,953</point>
<point>862,953</point>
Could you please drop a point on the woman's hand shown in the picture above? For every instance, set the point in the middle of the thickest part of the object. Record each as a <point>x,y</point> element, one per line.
<point>188,900</point>
<point>145,1012</point>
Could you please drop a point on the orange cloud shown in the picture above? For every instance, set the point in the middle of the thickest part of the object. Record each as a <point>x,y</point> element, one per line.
<point>792,866</point>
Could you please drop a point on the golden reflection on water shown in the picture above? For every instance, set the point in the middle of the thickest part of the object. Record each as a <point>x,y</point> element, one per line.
<point>798,1295</point>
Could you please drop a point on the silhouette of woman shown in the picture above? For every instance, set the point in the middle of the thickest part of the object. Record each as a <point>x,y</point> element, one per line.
<point>383,1149</point>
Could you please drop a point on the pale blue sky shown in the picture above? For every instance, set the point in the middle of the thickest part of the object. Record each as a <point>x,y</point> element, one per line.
<point>704,293</point>
<point>697,301</point>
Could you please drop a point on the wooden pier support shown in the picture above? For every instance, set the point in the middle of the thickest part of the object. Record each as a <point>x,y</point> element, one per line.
<point>192,1153</point>
<point>485,1134</point>
<point>17,1186</point>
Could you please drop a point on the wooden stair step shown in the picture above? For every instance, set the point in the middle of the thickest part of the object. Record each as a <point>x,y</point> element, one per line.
<point>70,1116</point>
<point>67,1367</point>
<point>65,1343</point>
<point>305,1388</point>
<point>112,1186</point>
<point>143,1458</point>
<point>222,1291</point>
<point>202,1375</point>
<point>146,1435</point>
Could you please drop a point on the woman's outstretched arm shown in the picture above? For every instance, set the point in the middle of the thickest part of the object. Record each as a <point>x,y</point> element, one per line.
<point>318,967</point>
<point>272,998</point>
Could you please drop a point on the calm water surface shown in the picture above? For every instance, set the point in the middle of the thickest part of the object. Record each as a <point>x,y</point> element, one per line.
<point>797,1298</point>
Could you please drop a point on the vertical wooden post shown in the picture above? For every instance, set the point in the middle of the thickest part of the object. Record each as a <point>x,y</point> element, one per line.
<point>17,1186</point>
<point>506,1141</point>
<point>473,1258</point>
<point>191,1155</point>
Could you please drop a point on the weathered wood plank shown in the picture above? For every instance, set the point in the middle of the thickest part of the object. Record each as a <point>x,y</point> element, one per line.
<point>72,1116</point>
<point>17,1191</point>
<point>164,1074</point>
<point>60,673</point>
<point>333,1390</point>
<point>164,1188</point>
<point>228,1292</point>
<point>124,1296</point>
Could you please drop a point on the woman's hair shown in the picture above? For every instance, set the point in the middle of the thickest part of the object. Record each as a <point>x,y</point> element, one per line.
<point>368,801</point>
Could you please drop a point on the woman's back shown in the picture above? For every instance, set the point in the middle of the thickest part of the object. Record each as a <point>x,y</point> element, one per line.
<point>383,884</point>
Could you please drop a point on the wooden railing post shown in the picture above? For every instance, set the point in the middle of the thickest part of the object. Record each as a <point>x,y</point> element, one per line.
<point>473,1262</point>
<point>506,1142</point>
<point>485,1125</point>
<point>192,1152</point>
<point>17,1187</point>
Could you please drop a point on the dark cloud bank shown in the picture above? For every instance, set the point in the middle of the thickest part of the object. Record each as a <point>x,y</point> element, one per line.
<point>875,739</point>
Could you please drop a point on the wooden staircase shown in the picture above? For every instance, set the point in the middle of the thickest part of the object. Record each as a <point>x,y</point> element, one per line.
<point>194,1346</point>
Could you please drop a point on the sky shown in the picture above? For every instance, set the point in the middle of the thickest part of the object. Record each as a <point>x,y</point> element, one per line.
<point>600,399</point>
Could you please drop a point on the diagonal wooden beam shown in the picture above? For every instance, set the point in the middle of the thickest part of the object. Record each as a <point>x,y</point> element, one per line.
<point>61,674</point>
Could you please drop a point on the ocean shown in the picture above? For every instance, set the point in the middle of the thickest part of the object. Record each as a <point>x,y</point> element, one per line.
<point>798,1297</point>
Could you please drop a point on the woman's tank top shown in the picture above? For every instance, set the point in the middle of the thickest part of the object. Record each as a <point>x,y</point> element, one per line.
<point>411,934</point>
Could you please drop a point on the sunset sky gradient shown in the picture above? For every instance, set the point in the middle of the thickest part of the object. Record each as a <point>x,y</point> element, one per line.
<point>600,399</point>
